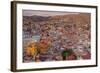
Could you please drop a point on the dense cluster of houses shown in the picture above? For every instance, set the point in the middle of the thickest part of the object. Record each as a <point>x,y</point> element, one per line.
<point>63,37</point>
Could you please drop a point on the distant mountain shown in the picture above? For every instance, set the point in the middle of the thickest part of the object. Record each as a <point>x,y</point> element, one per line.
<point>81,18</point>
<point>35,18</point>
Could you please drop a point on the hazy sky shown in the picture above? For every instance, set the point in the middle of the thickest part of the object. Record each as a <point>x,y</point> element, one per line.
<point>44,13</point>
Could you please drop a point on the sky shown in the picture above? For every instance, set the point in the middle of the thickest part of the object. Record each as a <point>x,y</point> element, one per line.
<point>45,13</point>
